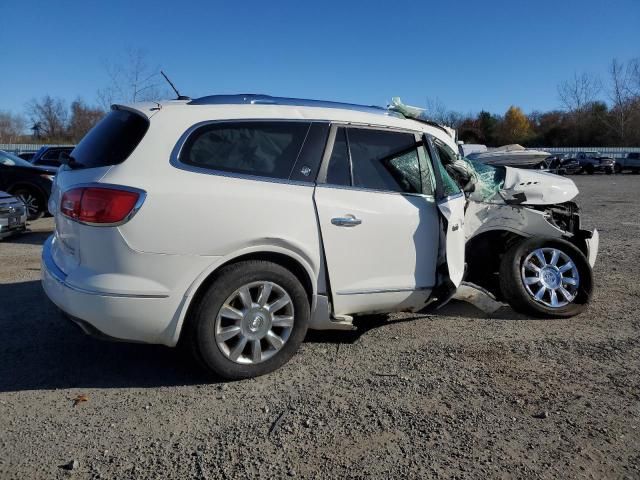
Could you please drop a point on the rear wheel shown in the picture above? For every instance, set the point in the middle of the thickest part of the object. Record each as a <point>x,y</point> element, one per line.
<point>589,169</point>
<point>33,200</point>
<point>546,278</point>
<point>618,168</point>
<point>251,320</point>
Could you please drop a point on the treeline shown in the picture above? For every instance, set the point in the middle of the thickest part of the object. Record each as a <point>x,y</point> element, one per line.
<point>51,120</point>
<point>593,112</point>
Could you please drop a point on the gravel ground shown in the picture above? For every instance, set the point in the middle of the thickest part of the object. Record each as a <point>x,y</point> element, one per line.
<point>457,395</point>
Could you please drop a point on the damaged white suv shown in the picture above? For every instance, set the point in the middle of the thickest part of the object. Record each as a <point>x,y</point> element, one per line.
<point>235,223</point>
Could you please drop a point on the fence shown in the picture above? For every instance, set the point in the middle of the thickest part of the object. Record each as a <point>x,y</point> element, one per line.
<point>614,152</point>
<point>28,147</point>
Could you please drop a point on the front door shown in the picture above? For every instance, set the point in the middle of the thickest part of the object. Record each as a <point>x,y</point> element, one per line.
<point>451,203</point>
<point>379,221</point>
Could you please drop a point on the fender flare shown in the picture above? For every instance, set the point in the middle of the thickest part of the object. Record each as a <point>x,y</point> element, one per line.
<point>237,255</point>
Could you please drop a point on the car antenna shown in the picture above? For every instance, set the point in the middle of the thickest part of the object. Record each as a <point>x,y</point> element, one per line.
<point>180,97</point>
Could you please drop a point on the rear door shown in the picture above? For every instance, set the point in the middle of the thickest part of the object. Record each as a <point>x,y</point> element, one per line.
<point>378,219</point>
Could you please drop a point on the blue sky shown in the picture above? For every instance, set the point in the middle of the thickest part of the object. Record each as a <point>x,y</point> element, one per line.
<point>469,54</point>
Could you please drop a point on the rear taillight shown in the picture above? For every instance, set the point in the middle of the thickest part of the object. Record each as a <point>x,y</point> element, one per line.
<point>97,205</point>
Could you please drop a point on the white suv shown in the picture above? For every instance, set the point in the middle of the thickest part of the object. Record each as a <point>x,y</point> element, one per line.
<point>235,223</point>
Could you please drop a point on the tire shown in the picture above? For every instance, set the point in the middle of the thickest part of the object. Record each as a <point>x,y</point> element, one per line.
<point>589,169</point>
<point>617,168</point>
<point>521,296</point>
<point>34,201</point>
<point>210,325</point>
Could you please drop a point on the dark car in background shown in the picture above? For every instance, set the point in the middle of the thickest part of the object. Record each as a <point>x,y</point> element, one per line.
<point>630,163</point>
<point>50,156</point>
<point>591,162</point>
<point>30,183</point>
<point>563,164</point>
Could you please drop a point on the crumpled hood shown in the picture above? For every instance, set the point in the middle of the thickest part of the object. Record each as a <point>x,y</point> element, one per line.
<point>531,187</point>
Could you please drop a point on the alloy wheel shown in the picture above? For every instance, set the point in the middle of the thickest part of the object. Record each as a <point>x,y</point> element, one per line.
<point>31,202</point>
<point>254,323</point>
<point>550,277</point>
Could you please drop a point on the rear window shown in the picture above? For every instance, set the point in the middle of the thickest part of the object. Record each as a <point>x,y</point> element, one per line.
<point>112,140</point>
<point>266,149</point>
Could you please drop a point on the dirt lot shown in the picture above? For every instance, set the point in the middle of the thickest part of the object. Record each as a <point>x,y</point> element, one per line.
<point>456,395</point>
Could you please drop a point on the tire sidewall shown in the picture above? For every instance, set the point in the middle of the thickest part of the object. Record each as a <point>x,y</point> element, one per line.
<point>516,293</point>
<point>225,284</point>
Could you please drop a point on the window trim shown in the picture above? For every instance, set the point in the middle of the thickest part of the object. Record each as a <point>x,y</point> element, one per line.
<point>322,173</point>
<point>174,159</point>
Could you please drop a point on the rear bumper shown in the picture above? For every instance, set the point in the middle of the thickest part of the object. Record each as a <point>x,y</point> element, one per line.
<point>134,318</point>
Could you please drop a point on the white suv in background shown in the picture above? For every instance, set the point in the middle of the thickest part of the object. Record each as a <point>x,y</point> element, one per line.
<point>235,223</point>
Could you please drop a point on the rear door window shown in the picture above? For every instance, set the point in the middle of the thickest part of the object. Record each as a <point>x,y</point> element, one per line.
<point>112,140</point>
<point>266,149</point>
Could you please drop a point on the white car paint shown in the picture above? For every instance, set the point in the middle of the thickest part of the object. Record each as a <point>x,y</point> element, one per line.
<point>136,281</point>
<point>539,188</point>
<point>453,210</point>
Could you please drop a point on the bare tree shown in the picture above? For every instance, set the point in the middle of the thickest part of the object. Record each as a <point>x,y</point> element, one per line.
<point>83,118</point>
<point>131,80</point>
<point>621,95</point>
<point>437,111</point>
<point>579,92</point>
<point>634,72</point>
<point>51,116</point>
<point>12,127</point>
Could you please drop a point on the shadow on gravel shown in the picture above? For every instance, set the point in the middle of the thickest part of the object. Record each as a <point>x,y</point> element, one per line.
<point>454,309</point>
<point>42,350</point>
<point>28,238</point>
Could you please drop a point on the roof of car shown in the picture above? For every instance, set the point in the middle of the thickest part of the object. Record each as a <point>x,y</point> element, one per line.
<point>259,99</point>
<point>257,106</point>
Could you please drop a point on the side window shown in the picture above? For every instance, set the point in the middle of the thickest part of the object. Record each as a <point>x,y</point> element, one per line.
<point>51,155</point>
<point>339,170</point>
<point>447,168</point>
<point>384,160</point>
<point>253,148</point>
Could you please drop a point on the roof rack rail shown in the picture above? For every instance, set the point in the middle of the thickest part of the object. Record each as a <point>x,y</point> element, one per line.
<point>257,99</point>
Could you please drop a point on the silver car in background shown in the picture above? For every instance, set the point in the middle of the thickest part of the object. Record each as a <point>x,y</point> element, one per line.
<point>13,215</point>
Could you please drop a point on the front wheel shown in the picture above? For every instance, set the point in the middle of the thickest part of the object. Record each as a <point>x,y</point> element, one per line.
<point>251,320</point>
<point>546,278</point>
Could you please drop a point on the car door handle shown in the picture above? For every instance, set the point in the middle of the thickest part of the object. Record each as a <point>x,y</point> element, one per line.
<point>346,221</point>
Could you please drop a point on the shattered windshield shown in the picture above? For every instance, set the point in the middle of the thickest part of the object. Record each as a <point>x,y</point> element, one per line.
<point>489,180</point>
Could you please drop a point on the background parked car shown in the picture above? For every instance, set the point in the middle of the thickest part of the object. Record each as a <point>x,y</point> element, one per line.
<point>13,215</point>
<point>28,182</point>
<point>26,155</point>
<point>49,156</point>
<point>592,162</point>
<point>631,163</point>
<point>563,164</point>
